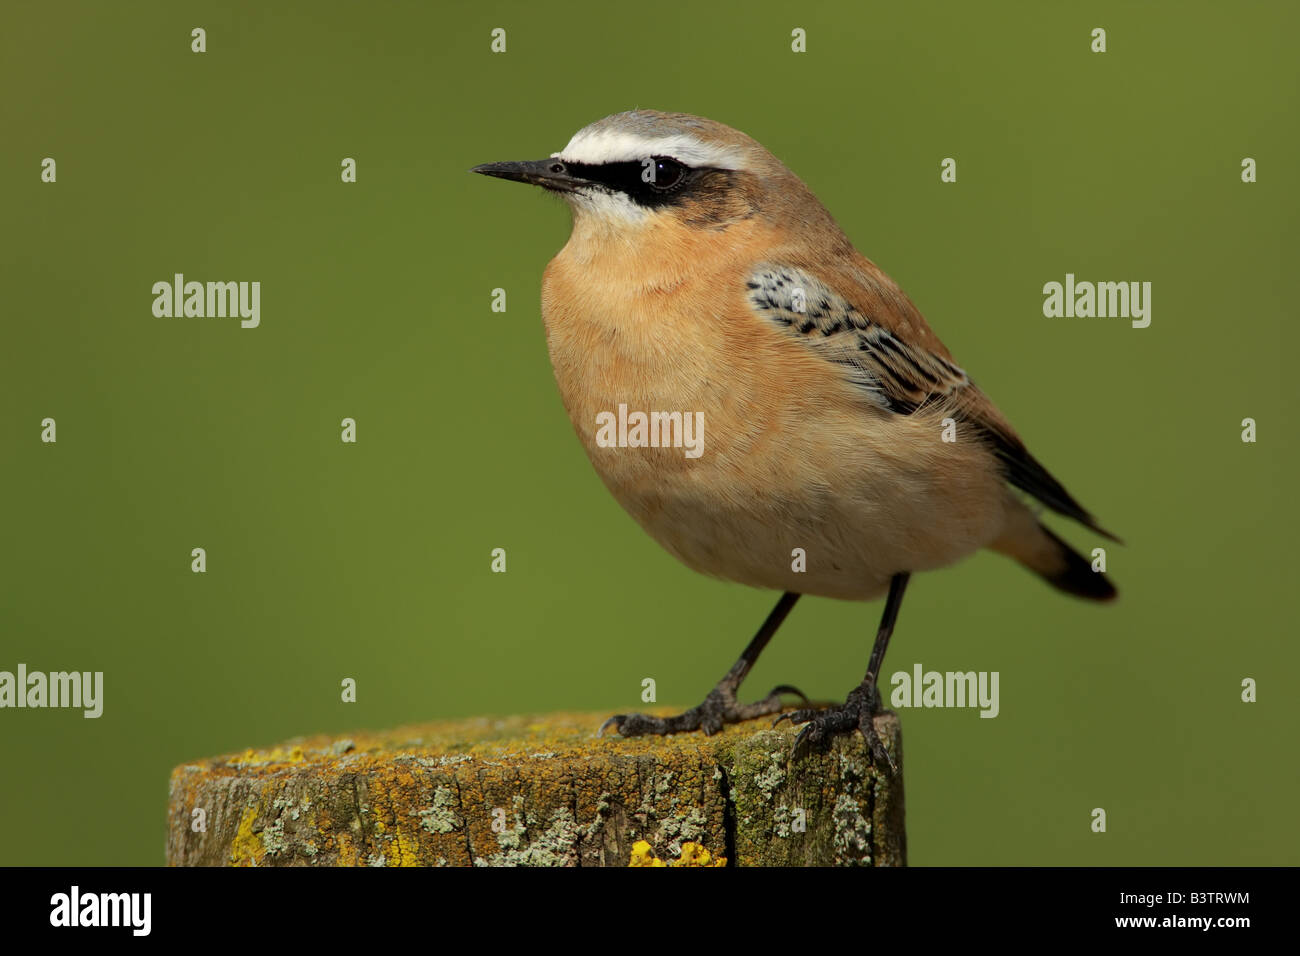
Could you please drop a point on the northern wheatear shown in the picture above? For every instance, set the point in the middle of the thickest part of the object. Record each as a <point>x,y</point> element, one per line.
<point>702,276</point>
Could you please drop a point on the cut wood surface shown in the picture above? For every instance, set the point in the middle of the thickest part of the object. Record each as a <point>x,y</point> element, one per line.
<point>540,791</point>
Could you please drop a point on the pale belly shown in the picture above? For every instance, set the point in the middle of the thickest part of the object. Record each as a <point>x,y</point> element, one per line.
<point>820,495</point>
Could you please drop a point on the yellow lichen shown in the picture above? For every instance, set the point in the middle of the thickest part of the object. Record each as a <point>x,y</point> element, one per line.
<point>566,794</point>
<point>294,754</point>
<point>247,849</point>
<point>692,855</point>
<point>695,855</point>
<point>347,852</point>
<point>642,855</point>
<point>403,850</point>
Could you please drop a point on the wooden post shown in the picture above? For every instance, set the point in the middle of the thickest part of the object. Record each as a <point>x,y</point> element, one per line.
<point>540,791</point>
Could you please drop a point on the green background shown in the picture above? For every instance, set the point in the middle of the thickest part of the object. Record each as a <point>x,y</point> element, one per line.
<point>371,560</point>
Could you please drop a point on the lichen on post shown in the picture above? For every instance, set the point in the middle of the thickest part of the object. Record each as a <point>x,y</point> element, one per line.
<point>540,791</point>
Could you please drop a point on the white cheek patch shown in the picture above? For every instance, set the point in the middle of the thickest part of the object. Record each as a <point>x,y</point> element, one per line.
<point>619,146</point>
<point>611,206</point>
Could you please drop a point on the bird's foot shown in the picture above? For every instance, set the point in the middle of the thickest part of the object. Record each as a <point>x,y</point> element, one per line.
<point>717,710</point>
<point>856,713</point>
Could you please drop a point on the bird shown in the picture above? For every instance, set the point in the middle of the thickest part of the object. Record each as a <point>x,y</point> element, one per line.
<point>703,278</point>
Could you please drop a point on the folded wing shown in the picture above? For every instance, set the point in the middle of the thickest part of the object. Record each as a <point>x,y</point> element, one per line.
<point>860,321</point>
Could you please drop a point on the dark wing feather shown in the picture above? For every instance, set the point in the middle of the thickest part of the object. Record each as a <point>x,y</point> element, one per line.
<point>897,375</point>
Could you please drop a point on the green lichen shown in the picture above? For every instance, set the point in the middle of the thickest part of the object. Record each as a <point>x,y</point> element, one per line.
<point>770,779</point>
<point>424,796</point>
<point>691,827</point>
<point>852,833</point>
<point>442,817</point>
<point>554,846</point>
<point>781,817</point>
<point>273,838</point>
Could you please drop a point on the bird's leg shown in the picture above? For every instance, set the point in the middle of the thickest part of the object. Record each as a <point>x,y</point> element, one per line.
<point>720,706</point>
<point>863,702</point>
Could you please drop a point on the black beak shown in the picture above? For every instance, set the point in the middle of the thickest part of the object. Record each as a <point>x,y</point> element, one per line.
<point>547,173</point>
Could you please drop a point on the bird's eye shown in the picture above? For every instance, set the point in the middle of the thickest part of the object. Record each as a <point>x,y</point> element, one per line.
<point>668,173</point>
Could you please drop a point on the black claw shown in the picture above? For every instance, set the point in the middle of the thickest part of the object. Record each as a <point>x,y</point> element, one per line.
<point>616,719</point>
<point>879,755</point>
<point>788,689</point>
<point>856,713</point>
<point>803,715</point>
<point>718,709</point>
<point>637,725</point>
<point>806,738</point>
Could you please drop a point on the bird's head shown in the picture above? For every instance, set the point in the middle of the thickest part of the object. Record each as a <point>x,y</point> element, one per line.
<point>633,169</point>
